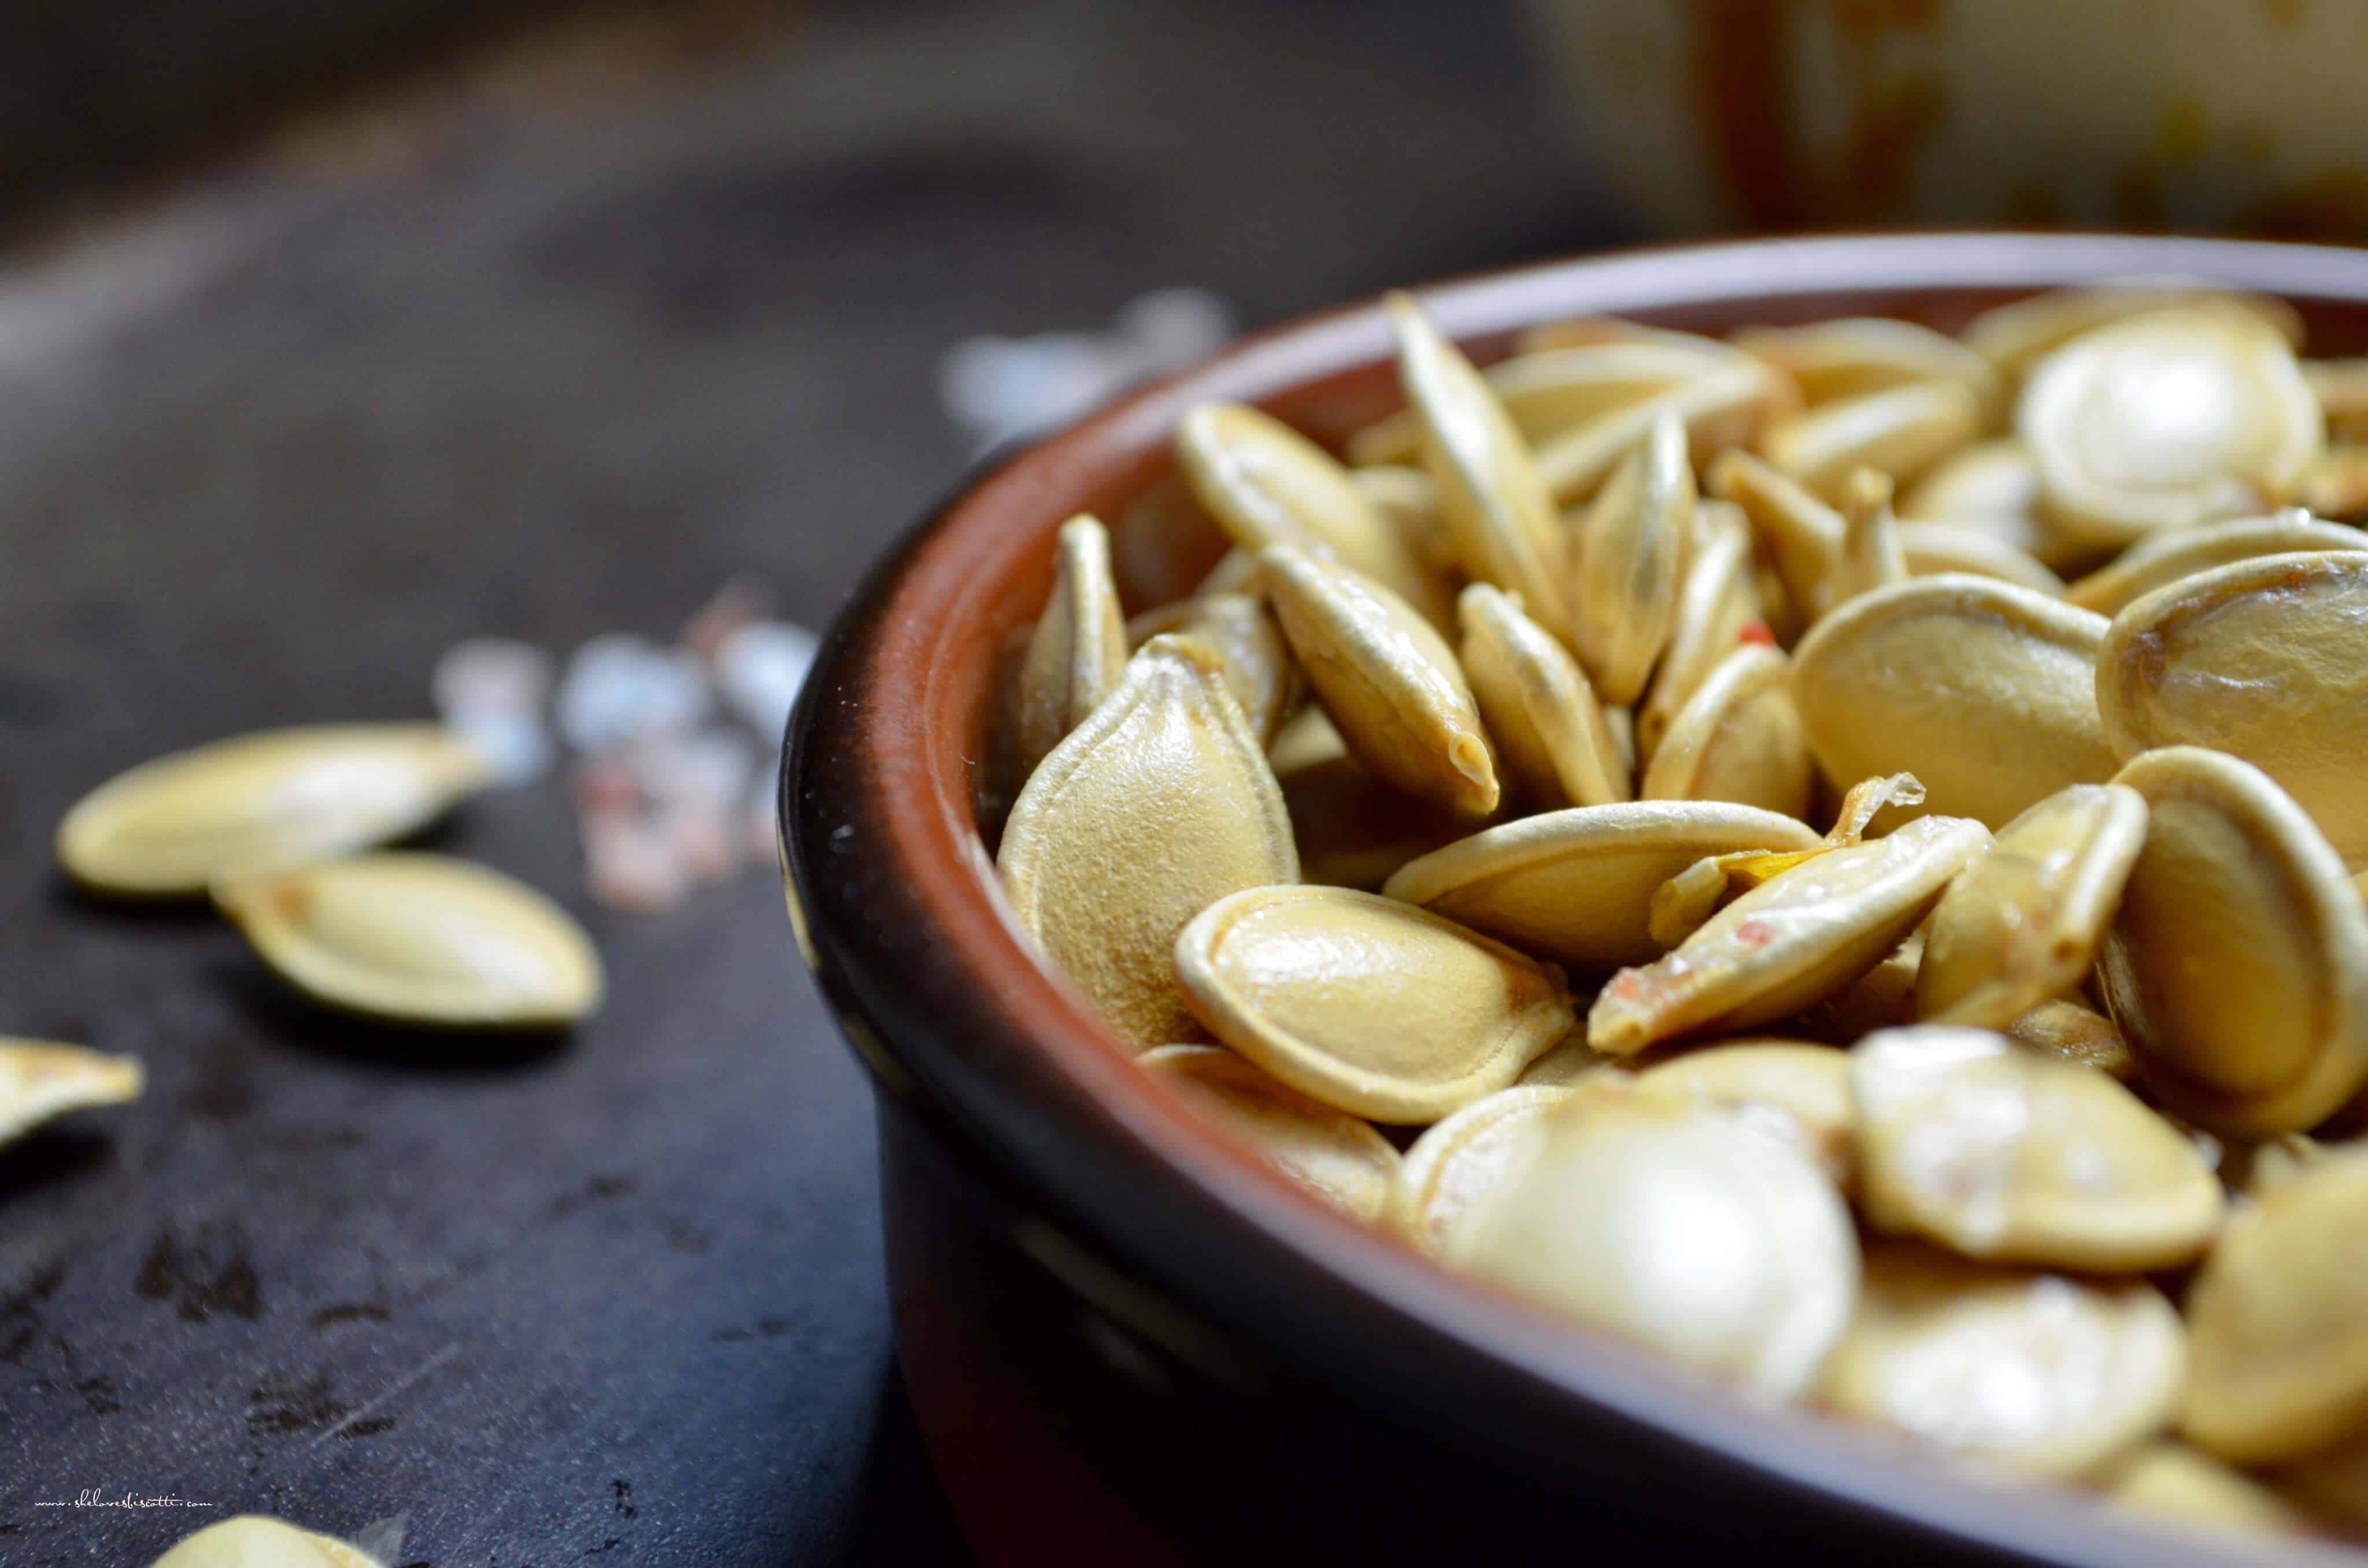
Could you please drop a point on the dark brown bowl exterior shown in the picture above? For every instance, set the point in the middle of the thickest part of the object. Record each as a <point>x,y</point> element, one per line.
<point>1126,1341</point>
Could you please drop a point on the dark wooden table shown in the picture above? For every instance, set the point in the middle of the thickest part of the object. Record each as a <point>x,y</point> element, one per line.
<point>546,353</point>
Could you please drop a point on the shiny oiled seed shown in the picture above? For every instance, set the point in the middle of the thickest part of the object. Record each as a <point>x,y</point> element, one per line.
<point>1718,408</point>
<point>2266,659</point>
<point>168,828</point>
<point>1985,690</point>
<point>1629,562</point>
<point>2238,966</point>
<point>1351,829</point>
<point>2023,926</point>
<point>1496,505</point>
<point>1078,648</point>
<point>2167,418</point>
<point>1738,738</point>
<point>1578,885</point>
<point>2010,1156</point>
<point>418,937</point>
<point>1795,940</point>
<point>1850,356</point>
<point>1902,431</point>
<point>2174,1483</point>
<point>1268,484</point>
<point>1550,390</point>
<point>1731,1254</point>
<point>2278,1321</point>
<point>2014,336</point>
<point>1800,534</point>
<point>1243,632</point>
<point>2033,1373</point>
<point>1330,1153</point>
<point>1370,1003</point>
<point>1455,1167</point>
<point>2076,1034</point>
<point>1390,683</point>
<point>1797,1093</point>
<point>253,1541</point>
<point>1158,805</point>
<point>1932,548</point>
<point>2166,557</point>
<point>1718,607</point>
<point>39,1079</point>
<point>1549,727</point>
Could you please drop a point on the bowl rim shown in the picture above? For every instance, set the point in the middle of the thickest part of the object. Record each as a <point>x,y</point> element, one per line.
<point>896,911</point>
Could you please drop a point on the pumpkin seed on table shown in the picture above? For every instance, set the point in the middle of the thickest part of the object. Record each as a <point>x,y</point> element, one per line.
<point>1550,390</point>
<point>2172,417</point>
<point>1629,561</point>
<point>2278,1319</point>
<point>1792,941</point>
<point>2265,659</point>
<point>1932,548</point>
<point>168,828</point>
<point>418,937</point>
<point>2075,1034</point>
<point>1781,1088</point>
<point>1576,885</point>
<point>1988,691</point>
<point>2008,1156</point>
<point>1160,804</point>
<point>1903,431</point>
<point>2023,926</point>
<point>1390,683</point>
<point>1079,646</point>
<point>1467,1158</point>
<point>39,1079</point>
<point>2238,966</point>
<point>2171,1482</point>
<point>1330,1153</point>
<point>1369,1004</point>
<point>1243,634</point>
<point>2015,336</point>
<point>1718,607</point>
<point>1268,484</point>
<point>1550,730</point>
<point>1738,738</point>
<point>2174,554</point>
<point>1496,507</point>
<point>2031,1373</point>
<point>253,1541</point>
<point>1850,356</point>
<point>1731,1254</point>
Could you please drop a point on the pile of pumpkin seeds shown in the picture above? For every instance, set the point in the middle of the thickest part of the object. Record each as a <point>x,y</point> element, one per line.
<point>1827,853</point>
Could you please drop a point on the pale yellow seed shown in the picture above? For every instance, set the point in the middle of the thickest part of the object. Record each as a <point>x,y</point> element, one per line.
<point>1985,690</point>
<point>1407,500</point>
<point>1549,729</point>
<point>1799,534</point>
<point>1578,885</point>
<point>419,939</point>
<point>1850,356</point>
<point>1793,941</point>
<point>2237,967</point>
<point>1731,1254</point>
<point>252,1540</point>
<point>2076,1034</point>
<point>2265,659</point>
<point>1992,488</point>
<point>1243,632</point>
<point>1390,683</point>
<point>1455,1167</point>
<point>1352,830</point>
<point>2014,336</point>
<point>1798,1094</point>
<point>1078,648</point>
<point>1496,506</point>
<point>1369,1004</point>
<point>1872,555</point>
<point>2174,1484</point>
<point>1159,804</point>
<point>2029,1373</point>
<point>2279,1321</point>
<point>1719,409</point>
<point>1719,601</point>
<point>1630,559</point>
<point>2174,554</point>
<point>2023,926</point>
<point>39,1081</point>
<point>2342,387</point>
<point>1332,1155</point>
<point>1903,431</point>
<point>1548,392</point>
<point>168,828</point>
<point>1738,738</point>
<point>2335,483</point>
<point>1575,1062</point>
<point>1932,548</point>
<point>2010,1156</point>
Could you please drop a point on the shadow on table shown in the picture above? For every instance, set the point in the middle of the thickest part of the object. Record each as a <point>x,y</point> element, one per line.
<point>898,1512</point>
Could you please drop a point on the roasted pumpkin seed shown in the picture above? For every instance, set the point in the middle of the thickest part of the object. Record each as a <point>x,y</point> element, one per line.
<point>1781,1088</point>
<point>1903,431</point>
<point>1932,548</point>
<point>1731,1254</point>
<point>2033,1373</point>
<point>1330,1153</point>
<point>1407,500</point>
<point>2174,554</point>
<point>2237,967</point>
<point>2171,1482</point>
<point>1738,738</point>
<point>1079,646</point>
<point>1872,555</point>
<point>168,828</point>
<point>1992,488</point>
<point>1369,1004</point>
<point>1159,804</point>
<point>1548,724</point>
<point>1550,391</point>
<point>420,938</point>
<point>1351,829</point>
<point>1242,633</point>
<point>1987,690</point>
<point>39,1079</point>
<point>1390,683</point>
<point>1718,408</point>
<point>1801,535</point>
<point>1851,356</point>
<point>1630,560</point>
<point>253,1541</point>
<point>1718,607</point>
<point>2076,1034</point>
<point>2023,926</point>
<point>1456,1166</point>
<point>2014,336</point>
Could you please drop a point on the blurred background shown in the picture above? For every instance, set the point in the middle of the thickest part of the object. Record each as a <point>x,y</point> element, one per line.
<point>333,335</point>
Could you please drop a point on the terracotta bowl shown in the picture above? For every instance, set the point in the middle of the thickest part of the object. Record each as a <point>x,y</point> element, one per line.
<point>1125,1340</point>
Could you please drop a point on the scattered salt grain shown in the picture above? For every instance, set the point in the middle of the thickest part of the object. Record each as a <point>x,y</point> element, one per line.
<point>760,668</point>
<point>620,689</point>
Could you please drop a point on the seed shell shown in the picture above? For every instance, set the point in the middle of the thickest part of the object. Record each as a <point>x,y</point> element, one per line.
<point>1333,1155</point>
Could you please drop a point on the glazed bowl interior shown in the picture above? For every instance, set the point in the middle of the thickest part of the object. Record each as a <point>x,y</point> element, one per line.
<point>899,913</point>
